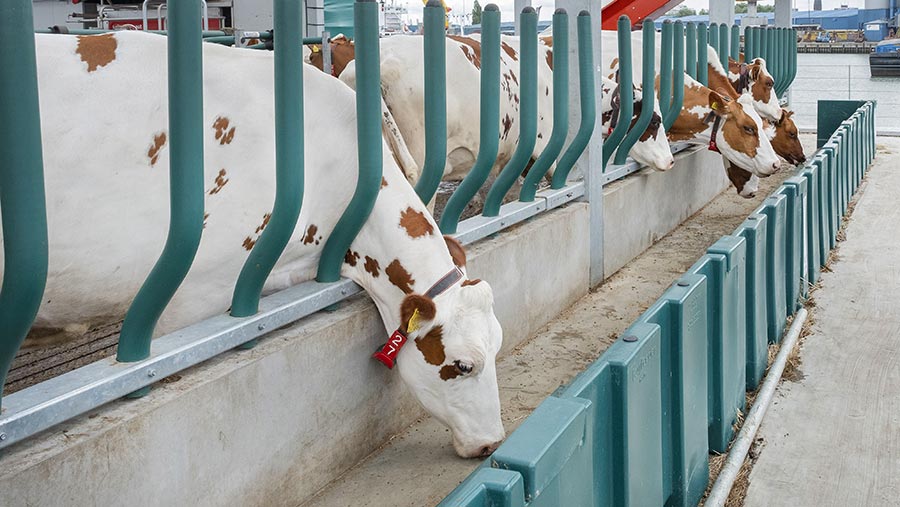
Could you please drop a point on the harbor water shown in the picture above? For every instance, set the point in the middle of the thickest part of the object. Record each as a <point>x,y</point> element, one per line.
<point>842,77</point>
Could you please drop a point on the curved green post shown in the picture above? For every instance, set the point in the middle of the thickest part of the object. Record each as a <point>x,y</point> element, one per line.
<point>588,102</point>
<point>724,43</point>
<point>527,113</point>
<point>702,55</point>
<point>435,101</point>
<point>490,120</point>
<point>368,133</point>
<point>678,85</point>
<point>22,202</point>
<point>713,37</point>
<point>753,44</point>
<point>769,48</point>
<point>185,63</point>
<point>288,161</point>
<point>748,44</point>
<point>779,57</point>
<point>647,99</point>
<point>626,91</point>
<point>735,43</point>
<point>560,107</point>
<point>691,46</point>
<point>665,68</point>
<point>793,60</point>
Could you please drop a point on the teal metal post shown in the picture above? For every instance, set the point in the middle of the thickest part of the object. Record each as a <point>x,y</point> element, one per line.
<point>368,133</point>
<point>527,112</point>
<point>764,48</point>
<point>435,101</point>
<point>647,99</point>
<point>691,45</point>
<point>626,91</point>
<point>288,161</point>
<point>735,43</point>
<point>560,107</point>
<point>588,103</point>
<point>490,120</point>
<point>678,71</point>
<point>665,69</point>
<point>748,44</point>
<point>185,63</point>
<point>702,55</point>
<point>781,56</point>
<point>793,60</point>
<point>714,37</point>
<point>22,201</point>
<point>724,43</point>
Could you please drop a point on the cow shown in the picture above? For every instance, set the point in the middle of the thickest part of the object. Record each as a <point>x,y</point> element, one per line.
<point>786,142</point>
<point>754,78</point>
<point>652,148</point>
<point>107,211</point>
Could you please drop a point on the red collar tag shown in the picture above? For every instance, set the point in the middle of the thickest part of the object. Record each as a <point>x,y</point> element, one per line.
<point>389,351</point>
<point>713,146</point>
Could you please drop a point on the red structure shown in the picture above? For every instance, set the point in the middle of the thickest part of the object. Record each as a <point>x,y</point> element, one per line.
<point>637,10</point>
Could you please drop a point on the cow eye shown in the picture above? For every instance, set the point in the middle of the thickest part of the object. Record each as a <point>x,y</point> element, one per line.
<point>770,83</point>
<point>463,368</point>
<point>750,130</point>
<point>793,135</point>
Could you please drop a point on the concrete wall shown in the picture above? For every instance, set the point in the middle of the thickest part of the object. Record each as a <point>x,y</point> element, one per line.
<point>272,425</point>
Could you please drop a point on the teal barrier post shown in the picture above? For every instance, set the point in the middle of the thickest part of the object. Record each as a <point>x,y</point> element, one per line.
<point>736,44</point>
<point>793,59</point>
<point>775,209</point>
<point>527,112</point>
<point>691,50</point>
<point>626,91</point>
<point>678,85</point>
<point>665,69</point>
<point>647,99</point>
<point>288,162</point>
<point>714,36</point>
<point>753,230</point>
<point>783,53</point>
<point>560,107</point>
<point>488,486</point>
<point>794,189</point>
<point>723,46</point>
<point>749,38</point>
<point>490,120</point>
<point>763,43</point>
<point>810,174</point>
<point>435,65</point>
<point>185,183</point>
<point>588,103</point>
<point>368,129</point>
<point>702,55</point>
<point>22,201</point>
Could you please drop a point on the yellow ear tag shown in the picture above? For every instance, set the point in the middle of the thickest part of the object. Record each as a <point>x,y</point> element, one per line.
<point>714,105</point>
<point>315,49</point>
<point>413,322</point>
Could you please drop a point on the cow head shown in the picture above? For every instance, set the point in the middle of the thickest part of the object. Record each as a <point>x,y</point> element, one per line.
<point>745,182</point>
<point>449,362</point>
<point>753,78</point>
<point>786,139</point>
<point>652,148</point>
<point>741,138</point>
<point>342,53</point>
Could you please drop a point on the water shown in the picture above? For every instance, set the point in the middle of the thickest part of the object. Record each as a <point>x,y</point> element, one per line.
<point>842,77</point>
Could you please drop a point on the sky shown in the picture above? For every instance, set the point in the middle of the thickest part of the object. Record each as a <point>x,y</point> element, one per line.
<point>507,6</point>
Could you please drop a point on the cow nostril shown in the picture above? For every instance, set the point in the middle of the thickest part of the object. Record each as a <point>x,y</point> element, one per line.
<point>752,195</point>
<point>489,449</point>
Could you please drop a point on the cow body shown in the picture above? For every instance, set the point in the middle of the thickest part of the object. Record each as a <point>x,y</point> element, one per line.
<point>107,184</point>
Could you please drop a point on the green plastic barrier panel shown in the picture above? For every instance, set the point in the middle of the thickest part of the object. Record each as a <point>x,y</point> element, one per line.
<point>829,196</point>
<point>810,174</point>
<point>723,266</point>
<point>823,246</point>
<point>549,450</point>
<point>624,388</point>
<point>775,209</point>
<point>794,259</point>
<point>488,486</point>
<point>753,230</point>
<point>681,314</point>
<point>831,114</point>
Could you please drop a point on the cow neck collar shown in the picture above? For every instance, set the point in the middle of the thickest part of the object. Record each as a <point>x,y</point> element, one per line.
<point>716,122</point>
<point>387,353</point>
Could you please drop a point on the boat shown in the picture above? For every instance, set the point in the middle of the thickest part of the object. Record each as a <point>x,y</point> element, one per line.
<point>884,61</point>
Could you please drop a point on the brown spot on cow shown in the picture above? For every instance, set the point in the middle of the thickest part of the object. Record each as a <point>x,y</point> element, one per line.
<point>342,53</point>
<point>548,41</point>
<point>470,47</point>
<point>432,346</point>
<point>415,223</point>
<point>512,74</point>
<point>509,51</point>
<point>549,63</point>
<point>688,124</point>
<point>413,303</point>
<point>248,243</point>
<point>371,266</point>
<point>97,50</point>
<point>449,371</point>
<point>265,222</point>
<point>507,124</point>
<point>614,64</point>
<point>223,134</point>
<point>159,140</point>
<point>221,181</point>
<point>787,139</point>
<point>205,216</point>
<point>399,276</point>
<point>457,252</point>
<point>739,177</point>
<point>740,131</point>
<point>383,182</point>
<point>466,283</point>
<point>310,236</point>
<point>351,257</point>
<point>547,91</point>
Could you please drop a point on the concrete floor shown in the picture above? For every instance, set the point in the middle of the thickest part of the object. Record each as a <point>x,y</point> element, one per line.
<point>418,467</point>
<point>833,438</point>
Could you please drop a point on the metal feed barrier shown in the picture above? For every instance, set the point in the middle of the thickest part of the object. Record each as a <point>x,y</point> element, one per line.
<point>636,427</point>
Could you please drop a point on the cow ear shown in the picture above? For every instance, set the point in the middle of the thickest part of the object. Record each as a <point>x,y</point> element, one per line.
<point>416,311</point>
<point>786,114</point>
<point>718,104</point>
<point>456,251</point>
<point>755,71</point>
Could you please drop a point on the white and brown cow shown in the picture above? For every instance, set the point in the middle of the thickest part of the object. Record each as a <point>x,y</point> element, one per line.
<point>755,79</point>
<point>785,138</point>
<point>652,148</point>
<point>108,209</point>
